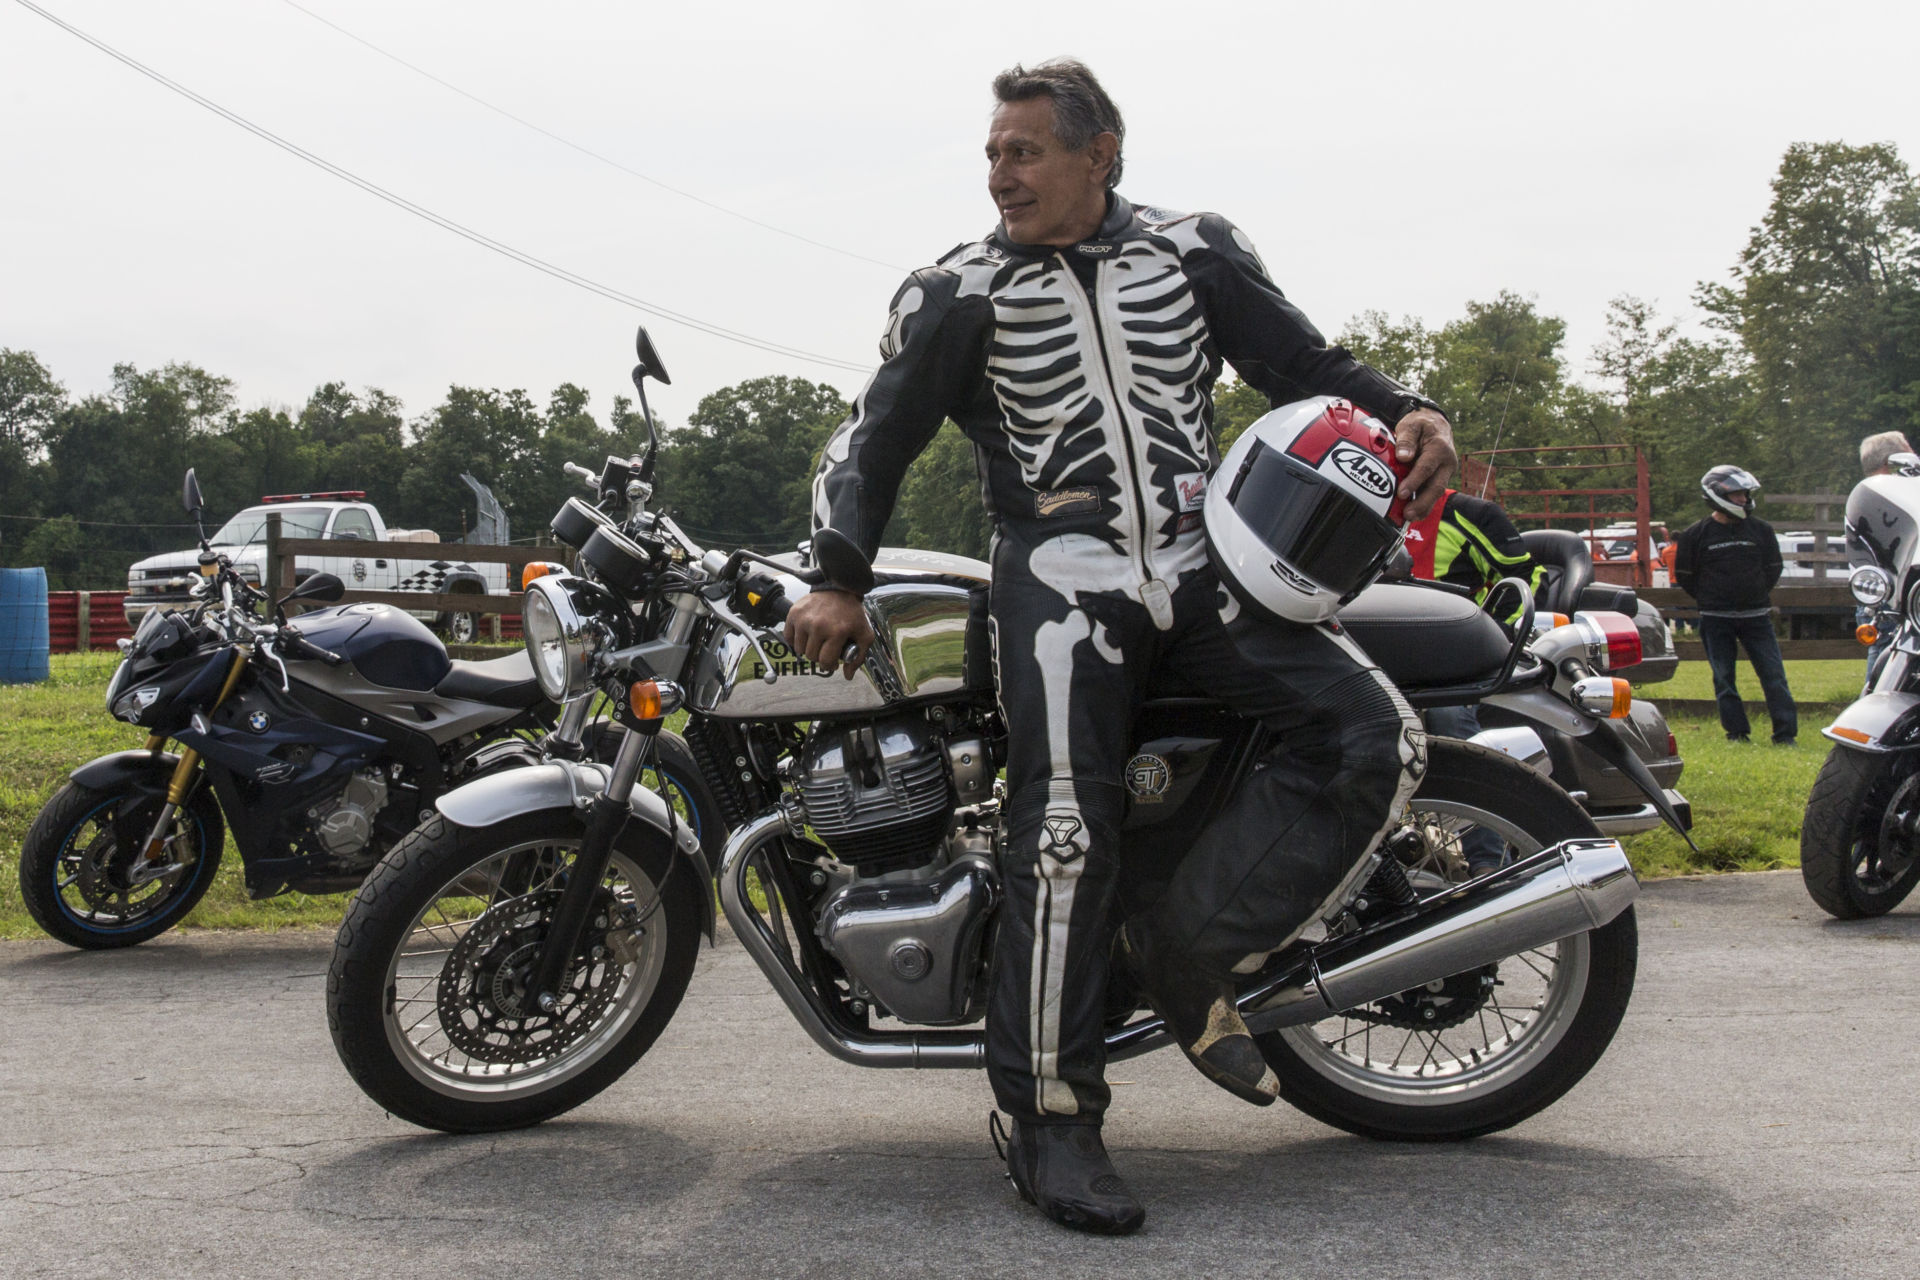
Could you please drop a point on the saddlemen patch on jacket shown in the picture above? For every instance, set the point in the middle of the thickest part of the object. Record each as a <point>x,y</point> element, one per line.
<point>1066,502</point>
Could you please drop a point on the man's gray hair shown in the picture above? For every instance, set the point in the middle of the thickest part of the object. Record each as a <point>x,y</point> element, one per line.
<point>1082,111</point>
<point>1875,450</point>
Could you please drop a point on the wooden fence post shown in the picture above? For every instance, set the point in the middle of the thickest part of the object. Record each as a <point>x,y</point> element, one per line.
<point>82,621</point>
<point>275,587</point>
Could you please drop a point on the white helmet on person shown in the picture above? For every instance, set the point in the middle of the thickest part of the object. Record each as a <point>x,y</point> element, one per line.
<point>1305,510</point>
<point>1720,485</point>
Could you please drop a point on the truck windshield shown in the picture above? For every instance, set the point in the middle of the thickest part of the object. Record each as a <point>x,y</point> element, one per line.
<point>251,525</point>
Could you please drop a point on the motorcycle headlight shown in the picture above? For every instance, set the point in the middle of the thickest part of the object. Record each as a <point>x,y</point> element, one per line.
<point>1871,585</point>
<point>560,640</point>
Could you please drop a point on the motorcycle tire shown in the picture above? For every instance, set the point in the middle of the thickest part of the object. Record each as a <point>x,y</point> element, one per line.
<point>423,960</point>
<point>69,882</point>
<point>1844,859</point>
<point>1419,1087</point>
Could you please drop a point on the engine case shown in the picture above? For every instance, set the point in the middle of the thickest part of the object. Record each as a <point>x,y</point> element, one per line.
<point>917,946</point>
<point>877,793</point>
<point>344,824</point>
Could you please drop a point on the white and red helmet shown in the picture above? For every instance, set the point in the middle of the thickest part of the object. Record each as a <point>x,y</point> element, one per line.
<point>1305,511</point>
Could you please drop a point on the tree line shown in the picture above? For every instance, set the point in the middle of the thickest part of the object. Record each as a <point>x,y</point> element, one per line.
<point>1810,342</point>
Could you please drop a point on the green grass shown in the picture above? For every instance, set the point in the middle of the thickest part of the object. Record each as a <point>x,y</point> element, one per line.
<point>1836,681</point>
<point>1747,798</point>
<point>1747,801</point>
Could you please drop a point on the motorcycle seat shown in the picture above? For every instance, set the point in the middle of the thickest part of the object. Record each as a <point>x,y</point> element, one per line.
<point>1423,636</point>
<point>498,682</point>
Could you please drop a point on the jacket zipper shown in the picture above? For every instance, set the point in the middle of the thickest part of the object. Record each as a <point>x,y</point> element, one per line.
<point>1153,593</point>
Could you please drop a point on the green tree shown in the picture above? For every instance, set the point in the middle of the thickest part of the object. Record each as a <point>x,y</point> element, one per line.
<point>1826,301</point>
<point>1403,350</point>
<point>491,435</point>
<point>740,472</point>
<point>1498,374</point>
<point>30,406</point>
<point>940,508</point>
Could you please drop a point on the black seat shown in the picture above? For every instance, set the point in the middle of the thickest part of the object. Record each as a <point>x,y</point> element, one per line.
<point>1424,636</point>
<point>498,682</point>
<point>1568,561</point>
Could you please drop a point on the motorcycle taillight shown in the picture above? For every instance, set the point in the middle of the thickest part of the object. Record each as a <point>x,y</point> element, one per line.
<point>1614,642</point>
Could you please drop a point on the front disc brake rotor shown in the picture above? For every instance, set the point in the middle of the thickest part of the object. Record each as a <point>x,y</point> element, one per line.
<point>483,986</point>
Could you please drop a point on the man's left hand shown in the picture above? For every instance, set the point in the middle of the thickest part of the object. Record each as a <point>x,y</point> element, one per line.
<point>1425,439</point>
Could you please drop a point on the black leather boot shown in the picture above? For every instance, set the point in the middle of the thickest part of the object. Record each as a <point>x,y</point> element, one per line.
<point>1063,1169</point>
<point>1198,1008</point>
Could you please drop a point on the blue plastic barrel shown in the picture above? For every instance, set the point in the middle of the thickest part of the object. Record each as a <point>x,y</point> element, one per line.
<point>23,625</point>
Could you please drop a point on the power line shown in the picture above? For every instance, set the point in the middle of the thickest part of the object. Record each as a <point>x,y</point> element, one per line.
<point>420,211</point>
<point>587,151</point>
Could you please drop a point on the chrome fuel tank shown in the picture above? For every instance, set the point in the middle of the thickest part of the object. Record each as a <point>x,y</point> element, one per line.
<point>930,645</point>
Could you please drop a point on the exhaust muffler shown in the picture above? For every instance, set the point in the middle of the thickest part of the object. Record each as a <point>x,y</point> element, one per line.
<point>1569,888</point>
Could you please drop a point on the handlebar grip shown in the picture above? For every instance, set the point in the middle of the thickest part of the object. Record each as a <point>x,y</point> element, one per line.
<point>305,648</point>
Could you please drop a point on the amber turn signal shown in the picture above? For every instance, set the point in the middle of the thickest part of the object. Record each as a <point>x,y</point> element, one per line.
<point>1866,633</point>
<point>643,700</point>
<point>1851,735</point>
<point>537,569</point>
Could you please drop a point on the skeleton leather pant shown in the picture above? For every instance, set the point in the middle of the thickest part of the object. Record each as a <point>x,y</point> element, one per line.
<point>1073,669</point>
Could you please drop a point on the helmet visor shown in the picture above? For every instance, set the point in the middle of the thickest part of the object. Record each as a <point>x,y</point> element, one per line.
<point>1316,528</point>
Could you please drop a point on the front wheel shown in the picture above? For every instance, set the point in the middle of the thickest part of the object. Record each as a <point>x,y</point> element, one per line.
<point>1476,1052</point>
<point>432,961</point>
<point>1857,853</point>
<point>83,879</point>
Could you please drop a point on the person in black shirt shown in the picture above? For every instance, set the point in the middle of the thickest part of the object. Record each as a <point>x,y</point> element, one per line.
<point>1728,563</point>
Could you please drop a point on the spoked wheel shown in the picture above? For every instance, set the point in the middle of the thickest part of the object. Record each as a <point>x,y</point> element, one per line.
<point>426,996</point>
<point>1479,1051</point>
<point>1857,840</point>
<point>83,876</point>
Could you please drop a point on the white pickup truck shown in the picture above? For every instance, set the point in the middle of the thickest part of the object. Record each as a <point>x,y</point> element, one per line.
<point>162,581</point>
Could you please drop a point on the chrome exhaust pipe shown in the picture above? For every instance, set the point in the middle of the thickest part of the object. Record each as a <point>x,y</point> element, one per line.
<point>1565,889</point>
<point>1572,887</point>
<point>863,1048</point>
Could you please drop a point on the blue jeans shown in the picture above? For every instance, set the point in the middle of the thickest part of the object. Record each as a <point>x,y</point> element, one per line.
<point>1755,635</point>
<point>1483,849</point>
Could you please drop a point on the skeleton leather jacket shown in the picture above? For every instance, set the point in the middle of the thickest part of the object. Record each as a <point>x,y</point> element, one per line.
<point>1082,377</point>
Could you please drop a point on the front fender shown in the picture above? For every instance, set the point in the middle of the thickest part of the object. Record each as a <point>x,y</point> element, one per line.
<point>110,772</point>
<point>564,784</point>
<point>1879,722</point>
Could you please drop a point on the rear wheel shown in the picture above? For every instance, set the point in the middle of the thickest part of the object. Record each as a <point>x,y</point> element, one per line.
<point>83,879</point>
<point>424,995</point>
<point>1857,839</point>
<point>1481,1051</point>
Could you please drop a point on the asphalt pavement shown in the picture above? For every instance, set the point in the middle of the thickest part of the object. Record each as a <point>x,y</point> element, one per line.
<point>177,1109</point>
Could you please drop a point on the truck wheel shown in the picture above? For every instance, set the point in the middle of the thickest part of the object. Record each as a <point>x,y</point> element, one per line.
<point>462,627</point>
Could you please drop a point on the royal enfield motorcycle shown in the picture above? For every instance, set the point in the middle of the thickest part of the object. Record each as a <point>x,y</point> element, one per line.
<point>1860,836</point>
<point>317,743</point>
<point>527,943</point>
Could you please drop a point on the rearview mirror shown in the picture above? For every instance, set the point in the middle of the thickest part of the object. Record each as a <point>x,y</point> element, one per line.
<point>321,587</point>
<point>190,495</point>
<point>649,366</point>
<point>840,562</point>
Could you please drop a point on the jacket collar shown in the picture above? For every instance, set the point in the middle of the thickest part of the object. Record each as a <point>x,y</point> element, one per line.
<point>1114,228</point>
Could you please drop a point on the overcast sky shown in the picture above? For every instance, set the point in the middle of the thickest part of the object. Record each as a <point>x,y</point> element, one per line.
<point>1407,157</point>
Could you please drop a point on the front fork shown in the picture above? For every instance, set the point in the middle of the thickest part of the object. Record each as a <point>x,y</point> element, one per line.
<point>152,860</point>
<point>606,815</point>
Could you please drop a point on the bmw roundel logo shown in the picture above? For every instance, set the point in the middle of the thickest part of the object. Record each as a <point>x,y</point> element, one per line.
<point>258,721</point>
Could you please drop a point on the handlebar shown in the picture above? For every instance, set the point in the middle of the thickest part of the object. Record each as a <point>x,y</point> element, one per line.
<point>591,479</point>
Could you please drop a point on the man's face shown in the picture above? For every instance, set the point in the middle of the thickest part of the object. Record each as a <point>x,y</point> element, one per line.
<point>1045,193</point>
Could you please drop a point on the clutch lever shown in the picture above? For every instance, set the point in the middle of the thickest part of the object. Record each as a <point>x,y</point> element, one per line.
<point>746,629</point>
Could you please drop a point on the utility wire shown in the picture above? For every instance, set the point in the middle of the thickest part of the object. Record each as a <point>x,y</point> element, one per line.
<point>588,151</point>
<point>445,223</point>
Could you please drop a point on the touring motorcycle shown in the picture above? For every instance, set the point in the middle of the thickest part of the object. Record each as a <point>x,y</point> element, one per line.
<point>318,743</point>
<point>1860,835</point>
<point>527,943</point>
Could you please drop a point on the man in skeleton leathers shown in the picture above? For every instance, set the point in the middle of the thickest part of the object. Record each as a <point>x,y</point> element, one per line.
<point>1076,346</point>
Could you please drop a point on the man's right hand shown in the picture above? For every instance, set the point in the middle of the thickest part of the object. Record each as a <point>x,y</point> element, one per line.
<point>821,624</point>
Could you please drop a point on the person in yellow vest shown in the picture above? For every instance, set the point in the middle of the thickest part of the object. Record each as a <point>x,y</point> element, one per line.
<point>1469,542</point>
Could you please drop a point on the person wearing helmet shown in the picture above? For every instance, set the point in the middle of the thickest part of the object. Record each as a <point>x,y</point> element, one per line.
<point>1729,562</point>
<point>1878,454</point>
<point>1076,346</point>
